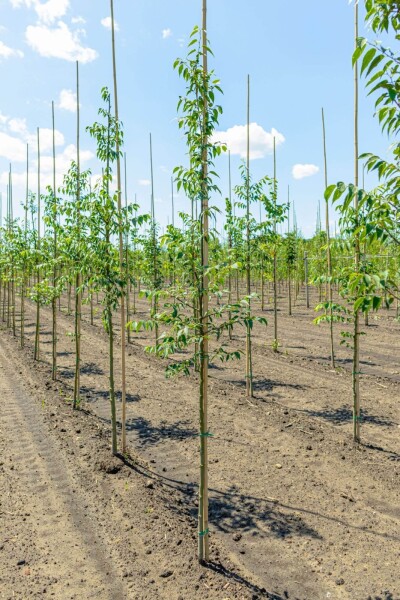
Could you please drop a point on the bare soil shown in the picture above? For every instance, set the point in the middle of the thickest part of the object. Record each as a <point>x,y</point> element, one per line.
<point>296,510</point>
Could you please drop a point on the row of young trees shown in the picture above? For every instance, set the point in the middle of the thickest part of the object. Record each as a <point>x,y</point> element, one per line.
<point>202,284</point>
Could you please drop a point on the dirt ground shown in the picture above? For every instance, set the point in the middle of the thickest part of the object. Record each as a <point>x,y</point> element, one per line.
<point>296,511</point>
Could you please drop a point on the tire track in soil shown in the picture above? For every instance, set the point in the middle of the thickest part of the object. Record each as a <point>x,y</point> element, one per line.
<point>46,528</point>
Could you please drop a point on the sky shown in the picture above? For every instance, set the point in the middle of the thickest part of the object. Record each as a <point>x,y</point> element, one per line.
<point>298,56</point>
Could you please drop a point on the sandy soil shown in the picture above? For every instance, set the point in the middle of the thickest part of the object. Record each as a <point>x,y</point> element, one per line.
<point>296,511</point>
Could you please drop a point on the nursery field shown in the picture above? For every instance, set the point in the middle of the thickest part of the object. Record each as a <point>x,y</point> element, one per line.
<point>199,392</point>
<point>296,511</point>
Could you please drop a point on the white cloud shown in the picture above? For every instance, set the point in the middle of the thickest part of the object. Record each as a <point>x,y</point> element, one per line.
<point>18,3</point>
<point>261,141</point>
<point>3,119</point>
<point>7,52</point>
<point>47,12</point>
<point>12,148</point>
<point>46,139</point>
<point>18,126</point>
<point>78,20</point>
<point>67,100</point>
<point>51,10</point>
<point>58,42</point>
<point>63,163</point>
<point>106,22</point>
<point>166,33</point>
<point>300,171</point>
<point>144,182</point>
<point>64,159</point>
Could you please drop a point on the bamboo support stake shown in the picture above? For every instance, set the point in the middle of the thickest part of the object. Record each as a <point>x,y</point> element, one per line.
<point>154,234</point>
<point>306,279</point>
<point>275,345</point>
<point>78,293</point>
<point>230,241</point>
<point>54,300</point>
<point>328,247</point>
<point>289,266</point>
<point>128,307</point>
<point>121,241</point>
<point>23,284</point>
<point>37,332</point>
<point>249,367</point>
<point>203,541</point>
<point>356,333</point>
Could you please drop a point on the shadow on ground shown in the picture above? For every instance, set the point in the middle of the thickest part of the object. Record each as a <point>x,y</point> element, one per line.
<point>344,414</point>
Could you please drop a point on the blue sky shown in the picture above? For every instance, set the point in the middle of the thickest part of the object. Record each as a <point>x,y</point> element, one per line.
<point>297,54</point>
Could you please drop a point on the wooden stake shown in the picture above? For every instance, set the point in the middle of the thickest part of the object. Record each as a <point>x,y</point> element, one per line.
<point>328,247</point>
<point>78,293</point>
<point>249,366</point>
<point>356,333</point>
<point>275,345</point>
<point>37,332</point>
<point>203,542</point>
<point>54,301</point>
<point>121,241</point>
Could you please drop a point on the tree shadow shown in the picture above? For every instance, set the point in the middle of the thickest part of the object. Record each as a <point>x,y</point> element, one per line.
<point>257,591</point>
<point>262,384</point>
<point>86,369</point>
<point>93,396</point>
<point>341,362</point>
<point>66,373</point>
<point>232,511</point>
<point>395,456</point>
<point>91,368</point>
<point>149,434</point>
<point>344,414</point>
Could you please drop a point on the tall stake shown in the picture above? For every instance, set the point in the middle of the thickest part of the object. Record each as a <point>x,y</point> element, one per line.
<point>230,240</point>
<point>37,332</point>
<point>25,241</point>
<point>172,202</point>
<point>328,246</point>
<point>54,300</point>
<point>356,333</point>
<point>121,241</point>
<point>154,235</point>
<point>13,307</point>
<point>78,293</point>
<point>128,281</point>
<point>203,534</point>
<point>275,345</point>
<point>249,368</point>
<point>289,265</point>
